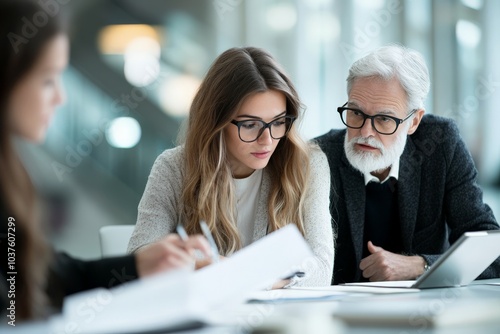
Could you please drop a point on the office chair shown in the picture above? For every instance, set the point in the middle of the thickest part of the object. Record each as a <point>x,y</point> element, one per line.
<point>114,239</point>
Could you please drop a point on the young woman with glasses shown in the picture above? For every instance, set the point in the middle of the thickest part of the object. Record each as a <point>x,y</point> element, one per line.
<point>243,168</point>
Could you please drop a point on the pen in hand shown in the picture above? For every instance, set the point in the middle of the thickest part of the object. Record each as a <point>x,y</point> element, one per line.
<point>211,241</point>
<point>184,237</point>
<point>182,232</point>
<point>206,232</point>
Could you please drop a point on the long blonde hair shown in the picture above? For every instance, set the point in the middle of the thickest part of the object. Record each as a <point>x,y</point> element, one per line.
<point>208,192</point>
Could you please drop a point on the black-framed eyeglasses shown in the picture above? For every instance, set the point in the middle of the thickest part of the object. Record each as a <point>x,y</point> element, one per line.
<point>384,124</point>
<point>251,130</point>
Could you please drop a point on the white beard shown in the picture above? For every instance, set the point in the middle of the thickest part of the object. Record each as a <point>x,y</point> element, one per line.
<point>367,162</point>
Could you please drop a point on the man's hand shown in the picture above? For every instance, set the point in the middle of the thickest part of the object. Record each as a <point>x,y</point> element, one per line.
<point>170,253</point>
<point>382,265</point>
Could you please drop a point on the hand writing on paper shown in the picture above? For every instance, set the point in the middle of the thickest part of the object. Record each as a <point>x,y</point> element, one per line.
<point>383,265</point>
<point>170,253</point>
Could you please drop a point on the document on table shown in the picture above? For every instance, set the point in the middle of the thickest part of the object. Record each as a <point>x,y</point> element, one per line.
<point>143,305</point>
<point>384,284</point>
<point>294,295</point>
<point>490,281</point>
<point>365,288</point>
<point>179,300</point>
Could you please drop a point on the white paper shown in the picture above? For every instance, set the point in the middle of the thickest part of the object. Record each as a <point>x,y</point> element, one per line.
<point>364,289</point>
<point>157,302</point>
<point>489,281</point>
<point>253,268</point>
<point>384,284</point>
<point>182,298</point>
<point>294,295</point>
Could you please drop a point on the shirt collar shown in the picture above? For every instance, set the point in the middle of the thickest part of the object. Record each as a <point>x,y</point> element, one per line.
<point>394,172</point>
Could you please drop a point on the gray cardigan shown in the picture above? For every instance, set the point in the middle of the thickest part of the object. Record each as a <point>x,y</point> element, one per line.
<point>438,196</point>
<point>159,206</point>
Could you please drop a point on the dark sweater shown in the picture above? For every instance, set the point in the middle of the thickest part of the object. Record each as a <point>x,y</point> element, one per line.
<point>382,225</point>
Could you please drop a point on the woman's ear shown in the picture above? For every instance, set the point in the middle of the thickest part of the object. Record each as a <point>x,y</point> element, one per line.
<point>415,121</point>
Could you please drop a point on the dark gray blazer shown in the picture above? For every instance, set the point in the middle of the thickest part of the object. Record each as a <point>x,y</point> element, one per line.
<point>438,197</point>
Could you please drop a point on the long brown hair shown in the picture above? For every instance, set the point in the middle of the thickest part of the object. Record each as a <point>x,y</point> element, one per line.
<point>20,47</point>
<point>208,192</point>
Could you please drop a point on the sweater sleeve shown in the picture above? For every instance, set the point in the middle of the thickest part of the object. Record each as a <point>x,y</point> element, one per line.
<point>464,207</point>
<point>68,275</point>
<point>79,275</point>
<point>158,208</point>
<point>318,224</point>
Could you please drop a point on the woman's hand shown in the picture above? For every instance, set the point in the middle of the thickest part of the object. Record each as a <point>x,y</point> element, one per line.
<point>280,284</point>
<point>170,253</point>
<point>207,260</point>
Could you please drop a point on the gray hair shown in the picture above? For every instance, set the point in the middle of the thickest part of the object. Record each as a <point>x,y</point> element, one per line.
<point>387,62</point>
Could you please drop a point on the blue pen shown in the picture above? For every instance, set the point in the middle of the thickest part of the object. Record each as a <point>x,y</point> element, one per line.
<point>211,241</point>
<point>181,232</point>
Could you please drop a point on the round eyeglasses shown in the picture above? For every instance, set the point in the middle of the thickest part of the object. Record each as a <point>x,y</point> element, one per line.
<point>250,130</point>
<point>383,124</point>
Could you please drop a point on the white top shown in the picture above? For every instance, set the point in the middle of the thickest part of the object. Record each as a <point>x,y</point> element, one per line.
<point>159,208</point>
<point>394,172</point>
<point>247,195</point>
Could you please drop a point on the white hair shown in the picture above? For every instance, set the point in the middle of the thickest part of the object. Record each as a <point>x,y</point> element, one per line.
<point>405,64</point>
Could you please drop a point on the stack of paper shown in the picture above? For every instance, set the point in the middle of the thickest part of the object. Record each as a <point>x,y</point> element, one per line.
<point>181,299</point>
<point>294,295</point>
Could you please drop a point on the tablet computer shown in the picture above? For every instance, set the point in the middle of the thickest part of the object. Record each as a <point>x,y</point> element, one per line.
<point>462,263</point>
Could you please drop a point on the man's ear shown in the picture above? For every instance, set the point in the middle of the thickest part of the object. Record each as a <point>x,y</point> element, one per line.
<point>415,121</point>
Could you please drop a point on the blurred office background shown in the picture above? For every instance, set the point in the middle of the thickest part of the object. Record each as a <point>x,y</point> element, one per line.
<point>135,66</point>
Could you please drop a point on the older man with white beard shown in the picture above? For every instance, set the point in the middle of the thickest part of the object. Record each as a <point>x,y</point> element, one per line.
<point>403,184</point>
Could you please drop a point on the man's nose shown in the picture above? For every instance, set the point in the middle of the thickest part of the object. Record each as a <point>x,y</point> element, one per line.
<point>367,130</point>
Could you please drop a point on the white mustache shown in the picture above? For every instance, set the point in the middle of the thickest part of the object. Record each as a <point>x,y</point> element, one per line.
<point>368,141</point>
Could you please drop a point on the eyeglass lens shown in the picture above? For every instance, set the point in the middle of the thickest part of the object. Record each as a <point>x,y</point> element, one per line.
<point>250,130</point>
<point>355,119</point>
